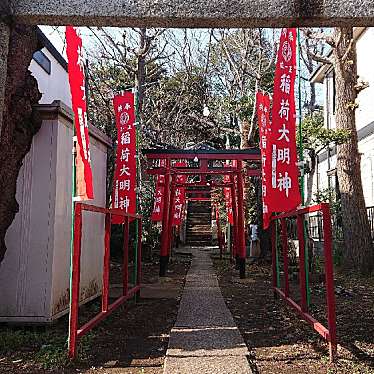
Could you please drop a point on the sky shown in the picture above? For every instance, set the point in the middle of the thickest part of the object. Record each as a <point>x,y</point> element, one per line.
<point>57,37</point>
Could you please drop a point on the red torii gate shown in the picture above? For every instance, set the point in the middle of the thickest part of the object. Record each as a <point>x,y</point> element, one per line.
<point>201,167</point>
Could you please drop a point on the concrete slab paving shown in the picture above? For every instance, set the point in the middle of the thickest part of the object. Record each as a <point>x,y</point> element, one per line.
<point>204,339</point>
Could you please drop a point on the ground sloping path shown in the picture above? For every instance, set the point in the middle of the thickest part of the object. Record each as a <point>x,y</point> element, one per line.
<point>205,338</point>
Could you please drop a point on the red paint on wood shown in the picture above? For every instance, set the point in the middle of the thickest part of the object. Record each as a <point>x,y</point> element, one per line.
<point>74,331</point>
<point>329,333</point>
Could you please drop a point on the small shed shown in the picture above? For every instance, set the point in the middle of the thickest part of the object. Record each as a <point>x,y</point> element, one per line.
<point>34,275</point>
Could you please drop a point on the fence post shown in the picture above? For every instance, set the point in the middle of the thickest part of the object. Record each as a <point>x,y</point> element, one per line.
<point>329,274</point>
<point>73,316</point>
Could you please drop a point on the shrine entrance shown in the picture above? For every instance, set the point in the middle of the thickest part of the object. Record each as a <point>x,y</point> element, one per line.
<point>203,172</point>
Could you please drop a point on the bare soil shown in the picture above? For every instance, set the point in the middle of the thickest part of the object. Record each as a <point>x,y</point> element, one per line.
<point>280,342</point>
<point>132,340</point>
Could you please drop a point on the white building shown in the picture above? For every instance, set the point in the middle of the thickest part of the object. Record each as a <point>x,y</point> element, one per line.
<point>34,274</point>
<point>325,176</point>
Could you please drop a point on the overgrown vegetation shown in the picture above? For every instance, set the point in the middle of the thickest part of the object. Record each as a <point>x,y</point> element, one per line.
<point>46,346</point>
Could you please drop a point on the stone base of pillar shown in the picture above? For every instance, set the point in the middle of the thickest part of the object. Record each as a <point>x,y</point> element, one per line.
<point>241,267</point>
<point>164,261</point>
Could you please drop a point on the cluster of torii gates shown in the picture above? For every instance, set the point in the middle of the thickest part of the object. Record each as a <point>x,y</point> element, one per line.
<point>203,166</point>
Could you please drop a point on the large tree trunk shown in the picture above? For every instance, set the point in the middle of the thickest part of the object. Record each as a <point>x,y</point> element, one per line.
<point>4,48</point>
<point>20,122</point>
<point>244,133</point>
<point>358,253</point>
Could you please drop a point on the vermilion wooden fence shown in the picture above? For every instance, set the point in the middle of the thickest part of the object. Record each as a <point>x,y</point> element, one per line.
<point>76,332</point>
<point>328,333</point>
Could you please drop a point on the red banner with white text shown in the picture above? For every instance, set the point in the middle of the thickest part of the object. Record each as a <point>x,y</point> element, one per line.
<point>284,193</point>
<point>158,204</point>
<point>180,197</point>
<point>76,66</point>
<point>124,183</point>
<point>227,194</point>
<point>263,115</point>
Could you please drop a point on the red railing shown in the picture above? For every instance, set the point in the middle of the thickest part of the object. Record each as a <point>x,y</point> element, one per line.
<point>76,332</point>
<point>328,333</point>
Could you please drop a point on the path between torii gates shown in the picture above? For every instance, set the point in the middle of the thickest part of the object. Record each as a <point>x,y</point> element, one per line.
<point>204,339</point>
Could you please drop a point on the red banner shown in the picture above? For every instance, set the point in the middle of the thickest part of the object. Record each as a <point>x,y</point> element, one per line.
<point>263,115</point>
<point>284,193</point>
<point>158,204</point>
<point>124,183</point>
<point>180,197</point>
<point>76,66</point>
<point>227,194</point>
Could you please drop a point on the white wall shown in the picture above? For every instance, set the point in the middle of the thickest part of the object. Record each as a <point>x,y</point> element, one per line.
<point>34,275</point>
<point>23,273</point>
<point>93,223</point>
<point>366,148</point>
<point>54,86</point>
<point>365,70</point>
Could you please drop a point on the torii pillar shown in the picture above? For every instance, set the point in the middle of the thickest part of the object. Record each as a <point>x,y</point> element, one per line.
<point>164,250</point>
<point>242,250</point>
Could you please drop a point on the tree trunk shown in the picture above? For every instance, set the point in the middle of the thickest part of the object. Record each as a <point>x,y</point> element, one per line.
<point>251,133</point>
<point>140,73</point>
<point>139,82</point>
<point>244,133</point>
<point>4,48</point>
<point>20,122</point>
<point>312,102</point>
<point>358,252</point>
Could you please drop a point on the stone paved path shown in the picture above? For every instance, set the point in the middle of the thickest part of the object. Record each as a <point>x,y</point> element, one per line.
<point>205,339</point>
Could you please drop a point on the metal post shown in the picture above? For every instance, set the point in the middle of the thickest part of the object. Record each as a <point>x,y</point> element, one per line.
<point>106,264</point>
<point>125,269</point>
<point>75,281</point>
<point>73,314</point>
<point>241,224</point>
<point>329,274</point>
<point>164,250</point>
<point>285,256</point>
